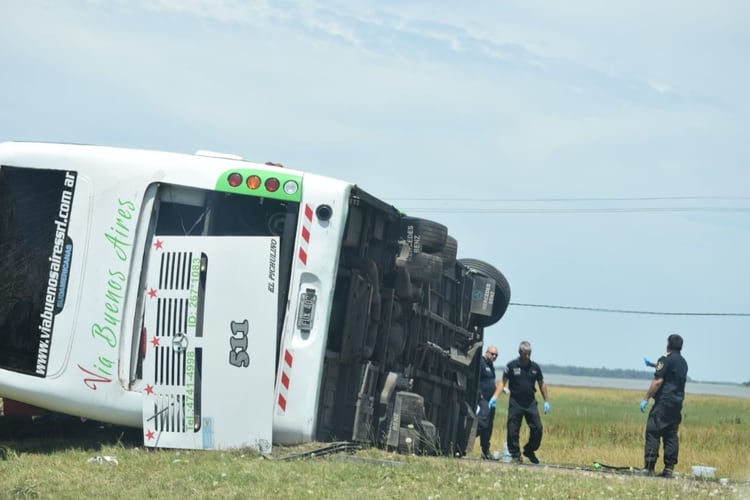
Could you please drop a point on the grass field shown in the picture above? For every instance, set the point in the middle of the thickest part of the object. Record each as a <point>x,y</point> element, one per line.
<point>585,425</point>
<point>606,425</point>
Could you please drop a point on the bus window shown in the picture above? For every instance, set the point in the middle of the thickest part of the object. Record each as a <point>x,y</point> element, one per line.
<point>189,212</point>
<point>35,209</point>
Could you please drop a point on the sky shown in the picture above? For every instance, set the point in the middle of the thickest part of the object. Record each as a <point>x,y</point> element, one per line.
<point>596,153</point>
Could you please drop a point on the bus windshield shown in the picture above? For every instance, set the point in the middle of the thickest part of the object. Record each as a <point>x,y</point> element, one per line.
<point>35,253</point>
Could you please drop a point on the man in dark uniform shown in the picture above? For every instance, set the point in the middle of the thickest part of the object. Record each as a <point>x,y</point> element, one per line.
<point>668,390</point>
<point>487,386</point>
<point>521,376</point>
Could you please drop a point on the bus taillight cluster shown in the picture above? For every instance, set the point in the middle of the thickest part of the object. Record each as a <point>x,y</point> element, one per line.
<point>254,182</point>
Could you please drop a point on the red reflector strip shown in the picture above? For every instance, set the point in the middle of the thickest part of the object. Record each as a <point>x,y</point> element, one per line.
<point>288,358</point>
<point>305,234</point>
<point>286,380</point>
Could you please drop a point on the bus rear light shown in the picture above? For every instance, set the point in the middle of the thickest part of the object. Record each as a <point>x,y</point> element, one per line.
<point>291,187</point>
<point>253,182</point>
<point>234,179</point>
<point>272,184</point>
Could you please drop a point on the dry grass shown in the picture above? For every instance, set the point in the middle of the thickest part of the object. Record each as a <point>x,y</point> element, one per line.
<point>589,425</point>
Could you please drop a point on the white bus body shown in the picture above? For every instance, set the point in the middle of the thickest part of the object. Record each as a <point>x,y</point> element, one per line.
<point>218,303</point>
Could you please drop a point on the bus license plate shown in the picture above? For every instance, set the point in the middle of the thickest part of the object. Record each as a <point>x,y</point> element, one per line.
<point>306,311</point>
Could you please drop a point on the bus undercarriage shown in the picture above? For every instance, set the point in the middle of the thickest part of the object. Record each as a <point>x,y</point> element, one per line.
<point>402,360</point>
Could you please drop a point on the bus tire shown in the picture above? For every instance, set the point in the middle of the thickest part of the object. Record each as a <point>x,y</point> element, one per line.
<point>425,268</point>
<point>423,235</point>
<point>502,291</point>
<point>449,251</point>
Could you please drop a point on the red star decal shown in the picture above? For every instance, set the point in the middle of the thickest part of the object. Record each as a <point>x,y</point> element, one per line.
<point>149,389</point>
<point>159,244</point>
<point>155,341</point>
<point>150,435</point>
<point>152,293</point>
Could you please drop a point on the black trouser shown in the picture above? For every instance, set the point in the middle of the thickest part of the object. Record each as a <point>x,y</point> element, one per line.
<point>663,423</point>
<point>485,423</point>
<point>516,414</point>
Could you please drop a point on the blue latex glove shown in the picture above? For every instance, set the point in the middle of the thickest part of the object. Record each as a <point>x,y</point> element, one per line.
<point>546,407</point>
<point>649,363</point>
<point>493,402</point>
<point>644,404</point>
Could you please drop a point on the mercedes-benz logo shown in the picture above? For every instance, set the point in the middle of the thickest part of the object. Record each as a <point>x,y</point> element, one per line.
<point>180,342</point>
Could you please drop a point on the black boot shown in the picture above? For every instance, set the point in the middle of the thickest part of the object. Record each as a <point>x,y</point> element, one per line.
<point>667,473</point>
<point>648,470</point>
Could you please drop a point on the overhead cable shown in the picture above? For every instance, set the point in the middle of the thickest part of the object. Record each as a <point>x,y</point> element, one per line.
<point>505,205</point>
<point>639,198</point>
<point>479,210</point>
<point>627,311</point>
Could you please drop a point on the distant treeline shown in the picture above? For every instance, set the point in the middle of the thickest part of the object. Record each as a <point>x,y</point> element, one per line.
<point>600,372</point>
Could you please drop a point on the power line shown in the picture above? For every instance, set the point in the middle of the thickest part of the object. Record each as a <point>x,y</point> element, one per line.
<point>478,205</point>
<point>626,311</point>
<point>570,210</point>
<point>639,198</point>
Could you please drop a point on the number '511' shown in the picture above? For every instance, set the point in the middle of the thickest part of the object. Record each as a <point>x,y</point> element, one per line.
<point>238,355</point>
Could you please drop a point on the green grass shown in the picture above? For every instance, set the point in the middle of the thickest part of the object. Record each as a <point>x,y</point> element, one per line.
<point>585,425</point>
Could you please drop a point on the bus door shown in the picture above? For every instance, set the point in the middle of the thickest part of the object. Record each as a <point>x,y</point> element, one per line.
<point>209,336</point>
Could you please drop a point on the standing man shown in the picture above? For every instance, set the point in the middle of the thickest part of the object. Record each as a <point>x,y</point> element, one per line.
<point>668,390</point>
<point>522,375</point>
<point>487,387</point>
